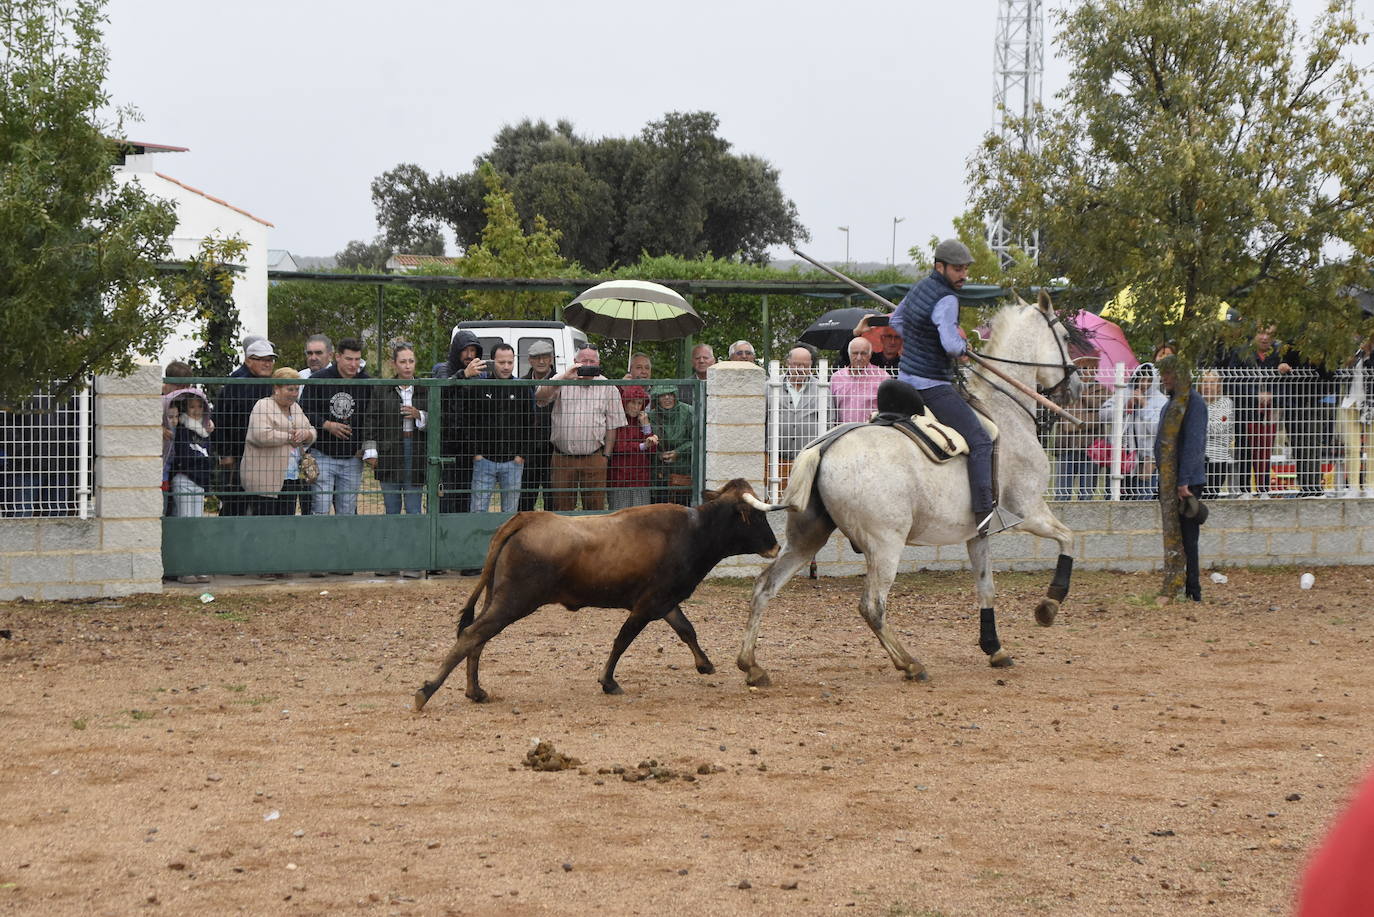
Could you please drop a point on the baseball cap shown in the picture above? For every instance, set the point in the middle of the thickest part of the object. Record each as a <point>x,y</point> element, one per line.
<point>262,348</point>
<point>541,349</point>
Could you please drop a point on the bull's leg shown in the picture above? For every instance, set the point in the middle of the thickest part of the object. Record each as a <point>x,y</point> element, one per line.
<point>688,635</point>
<point>1043,523</point>
<point>491,622</point>
<point>474,690</point>
<point>635,623</point>
<point>806,534</point>
<point>882,570</point>
<point>980,558</point>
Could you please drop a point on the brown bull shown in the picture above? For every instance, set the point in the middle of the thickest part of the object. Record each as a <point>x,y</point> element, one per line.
<point>646,559</point>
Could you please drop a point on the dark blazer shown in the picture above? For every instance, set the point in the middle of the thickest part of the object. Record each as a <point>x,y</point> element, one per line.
<point>383,426</point>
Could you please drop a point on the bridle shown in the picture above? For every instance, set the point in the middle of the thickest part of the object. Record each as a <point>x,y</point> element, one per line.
<point>1065,364</point>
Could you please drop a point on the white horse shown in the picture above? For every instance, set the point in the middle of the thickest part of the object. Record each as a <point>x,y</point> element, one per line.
<point>882,492</point>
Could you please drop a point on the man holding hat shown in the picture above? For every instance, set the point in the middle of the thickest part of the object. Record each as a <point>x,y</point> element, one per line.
<point>235,405</point>
<point>1192,469</point>
<point>928,321</point>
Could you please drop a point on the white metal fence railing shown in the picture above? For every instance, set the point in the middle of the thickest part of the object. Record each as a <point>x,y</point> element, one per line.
<point>1295,433</point>
<point>45,457</point>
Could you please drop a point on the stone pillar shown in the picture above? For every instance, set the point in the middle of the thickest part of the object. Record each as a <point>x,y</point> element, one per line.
<point>736,445</point>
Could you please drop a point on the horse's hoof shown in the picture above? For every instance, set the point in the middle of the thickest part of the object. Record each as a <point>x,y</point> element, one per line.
<point>758,680</point>
<point>706,669</point>
<point>1046,611</point>
<point>1000,660</point>
<point>610,687</point>
<point>917,676</point>
<point>477,697</point>
<point>421,698</point>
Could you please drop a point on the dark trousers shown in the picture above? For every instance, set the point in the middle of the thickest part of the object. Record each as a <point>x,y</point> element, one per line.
<point>232,500</point>
<point>296,494</point>
<point>950,408</point>
<point>1190,530</point>
<point>457,479</point>
<point>1308,432</point>
<point>536,478</point>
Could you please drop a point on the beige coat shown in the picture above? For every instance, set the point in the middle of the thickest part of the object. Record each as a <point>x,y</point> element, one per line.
<point>267,449</point>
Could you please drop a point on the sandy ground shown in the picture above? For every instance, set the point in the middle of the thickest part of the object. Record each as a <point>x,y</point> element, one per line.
<point>257,754</point>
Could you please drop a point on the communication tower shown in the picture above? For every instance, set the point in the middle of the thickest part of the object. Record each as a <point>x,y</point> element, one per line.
<point>1019,67</point>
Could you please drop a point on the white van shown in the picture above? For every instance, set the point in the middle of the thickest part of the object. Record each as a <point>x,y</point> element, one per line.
<point>566,340</point>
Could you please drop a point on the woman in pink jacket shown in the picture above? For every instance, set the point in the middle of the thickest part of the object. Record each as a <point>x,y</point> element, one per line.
<point>278,433</point>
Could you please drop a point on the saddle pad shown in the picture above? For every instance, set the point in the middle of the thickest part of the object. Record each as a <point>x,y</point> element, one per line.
<point>939,442</point>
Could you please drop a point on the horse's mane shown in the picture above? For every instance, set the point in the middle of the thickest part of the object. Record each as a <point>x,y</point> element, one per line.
<point>1079,341</point>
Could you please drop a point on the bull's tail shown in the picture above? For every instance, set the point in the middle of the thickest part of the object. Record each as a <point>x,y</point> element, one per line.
<point>498,542</point>
<point>801,483</point>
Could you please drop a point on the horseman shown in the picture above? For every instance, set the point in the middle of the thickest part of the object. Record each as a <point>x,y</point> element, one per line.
<point>928,321</point>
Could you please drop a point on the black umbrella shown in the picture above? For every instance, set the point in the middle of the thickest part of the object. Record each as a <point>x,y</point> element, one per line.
<point>835,329</point>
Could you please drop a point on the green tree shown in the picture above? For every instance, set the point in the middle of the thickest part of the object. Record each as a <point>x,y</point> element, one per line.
<point>208,281</point>
<point>78,252</point>
<point>674,189</point>
<point>1202,153</point>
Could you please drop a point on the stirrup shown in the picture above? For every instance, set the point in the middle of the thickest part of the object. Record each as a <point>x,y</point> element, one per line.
<point>999,520</point>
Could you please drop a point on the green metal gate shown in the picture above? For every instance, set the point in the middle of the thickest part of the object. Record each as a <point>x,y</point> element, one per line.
<point>431,540</point>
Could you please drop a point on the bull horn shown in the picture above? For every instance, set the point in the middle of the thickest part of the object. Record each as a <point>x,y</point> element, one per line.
<point>762,507</point>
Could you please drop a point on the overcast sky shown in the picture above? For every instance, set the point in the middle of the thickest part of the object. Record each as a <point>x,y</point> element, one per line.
<point>290,108</point>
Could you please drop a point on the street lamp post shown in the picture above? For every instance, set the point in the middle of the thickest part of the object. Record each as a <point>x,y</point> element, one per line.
<point>845,230</point>
<point>895,221</point>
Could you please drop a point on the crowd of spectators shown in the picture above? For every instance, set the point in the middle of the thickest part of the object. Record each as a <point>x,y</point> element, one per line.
<point>272,446</point>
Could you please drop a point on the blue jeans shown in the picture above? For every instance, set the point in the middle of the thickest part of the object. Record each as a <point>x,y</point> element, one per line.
<point>394,492</point>
<point>487,476</point>
<point>338,484</point>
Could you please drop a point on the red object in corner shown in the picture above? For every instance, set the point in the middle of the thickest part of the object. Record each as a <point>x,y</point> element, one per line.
<point>1339,881</point>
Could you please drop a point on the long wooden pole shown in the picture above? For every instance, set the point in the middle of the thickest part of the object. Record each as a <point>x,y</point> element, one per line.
<point>1017,383</point>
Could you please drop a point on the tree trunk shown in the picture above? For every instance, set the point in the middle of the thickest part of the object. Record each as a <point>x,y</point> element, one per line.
<point>1167,462</point>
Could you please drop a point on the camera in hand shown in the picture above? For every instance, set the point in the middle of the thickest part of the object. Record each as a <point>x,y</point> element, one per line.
<point>489,366</point>
<point>877,321</point>
<point>588,371</point>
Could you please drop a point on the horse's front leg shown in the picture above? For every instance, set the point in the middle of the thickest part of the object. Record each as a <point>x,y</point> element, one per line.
<point>1043,523</point>
<point>980,557</point>
<point>806,534</point>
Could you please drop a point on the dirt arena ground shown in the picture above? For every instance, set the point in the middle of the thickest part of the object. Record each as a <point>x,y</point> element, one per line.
<point>257,754</point>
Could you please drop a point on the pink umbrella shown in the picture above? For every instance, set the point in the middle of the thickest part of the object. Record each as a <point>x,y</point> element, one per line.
<point>1109,343</point>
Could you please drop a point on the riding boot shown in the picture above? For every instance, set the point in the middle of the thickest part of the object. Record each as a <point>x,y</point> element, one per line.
<point>991,517</point>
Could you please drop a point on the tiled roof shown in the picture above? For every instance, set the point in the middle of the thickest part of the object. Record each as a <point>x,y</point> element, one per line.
<point>418,260</point>
<point>211,197</point>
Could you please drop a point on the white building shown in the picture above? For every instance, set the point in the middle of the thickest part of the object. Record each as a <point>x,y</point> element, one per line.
<point>199,216</point>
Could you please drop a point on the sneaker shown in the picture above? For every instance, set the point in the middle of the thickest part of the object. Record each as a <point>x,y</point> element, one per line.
<point>187,580</point>
<point>202,578</point>
<point>1248,495</point>
<point>387,573</point>
<point>318,573</point>
<point>413,574</point>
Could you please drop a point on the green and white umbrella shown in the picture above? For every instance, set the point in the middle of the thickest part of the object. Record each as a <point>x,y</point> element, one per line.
<point>630,309</point>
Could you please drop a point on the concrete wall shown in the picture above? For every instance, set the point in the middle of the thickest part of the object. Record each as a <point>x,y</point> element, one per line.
<point>118,551</point>
<point>1109,536</point>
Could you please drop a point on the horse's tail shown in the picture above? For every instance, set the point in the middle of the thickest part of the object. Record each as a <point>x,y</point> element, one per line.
<point>498,542</point>
<point>801,483</point>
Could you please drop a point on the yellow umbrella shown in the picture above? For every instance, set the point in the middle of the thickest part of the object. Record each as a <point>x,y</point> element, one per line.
<point>1122,309</point>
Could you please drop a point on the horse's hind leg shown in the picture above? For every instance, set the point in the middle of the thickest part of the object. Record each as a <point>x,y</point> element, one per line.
<point>806,534</point>
<point>882,570</point>
<point>688,635</point>
<point>1044,524</point>
<point>980,558</point>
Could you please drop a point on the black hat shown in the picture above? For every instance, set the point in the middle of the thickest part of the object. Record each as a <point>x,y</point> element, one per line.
<point>1193,508</point>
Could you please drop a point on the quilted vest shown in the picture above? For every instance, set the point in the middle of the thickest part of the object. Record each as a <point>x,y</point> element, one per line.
<point>922,353</point>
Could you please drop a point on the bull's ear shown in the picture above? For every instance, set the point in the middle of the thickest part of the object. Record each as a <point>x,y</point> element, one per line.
<point>708,495</point>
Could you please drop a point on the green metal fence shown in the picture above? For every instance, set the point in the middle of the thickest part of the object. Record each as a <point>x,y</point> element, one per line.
<point>372,540</point>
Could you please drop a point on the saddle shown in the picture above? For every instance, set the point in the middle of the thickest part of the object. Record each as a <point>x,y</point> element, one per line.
<point>901,407</point>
